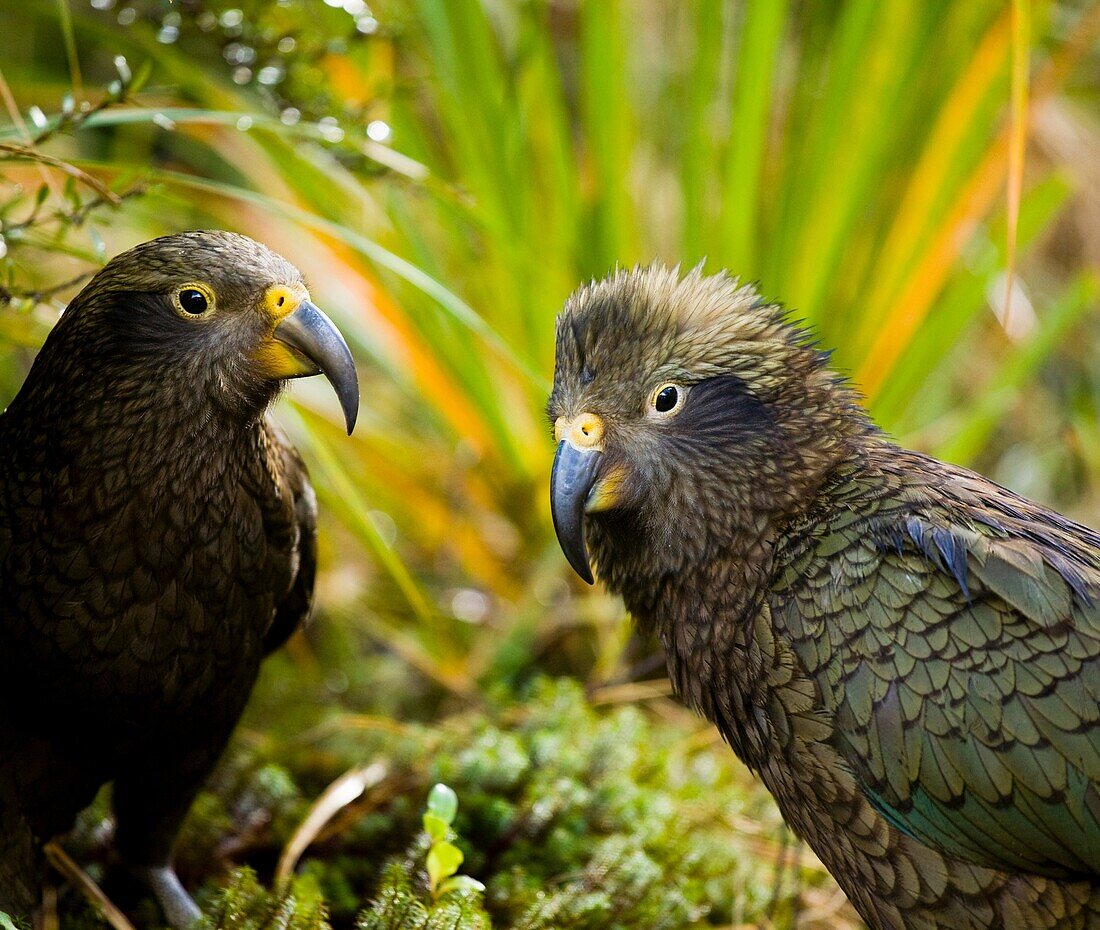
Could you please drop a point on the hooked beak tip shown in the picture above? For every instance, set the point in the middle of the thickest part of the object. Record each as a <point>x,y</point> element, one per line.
<point>311,333</point>
<point>571,481</point>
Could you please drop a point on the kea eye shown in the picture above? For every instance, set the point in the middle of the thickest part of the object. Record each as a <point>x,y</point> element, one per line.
<point>193,301</point>
<point>667,399</point>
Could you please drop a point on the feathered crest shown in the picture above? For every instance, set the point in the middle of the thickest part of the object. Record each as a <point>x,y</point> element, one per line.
<point>706,325</point>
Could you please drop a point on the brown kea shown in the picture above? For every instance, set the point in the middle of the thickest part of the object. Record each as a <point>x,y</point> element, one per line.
<point>157,540</point>
<point>906,653</point>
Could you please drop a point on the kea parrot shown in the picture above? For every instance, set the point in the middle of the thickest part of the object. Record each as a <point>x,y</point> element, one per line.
<point>906,653</point>
<point>157,540</point>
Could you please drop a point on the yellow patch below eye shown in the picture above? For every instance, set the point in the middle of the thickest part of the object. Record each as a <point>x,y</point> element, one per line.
<point>283,299</point>
<point>607,492</point>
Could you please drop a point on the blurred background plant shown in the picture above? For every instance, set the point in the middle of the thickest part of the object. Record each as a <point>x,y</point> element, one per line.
<point>445,174</point>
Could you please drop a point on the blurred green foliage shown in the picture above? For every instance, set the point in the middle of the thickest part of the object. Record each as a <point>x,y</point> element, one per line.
<point>445,174</point>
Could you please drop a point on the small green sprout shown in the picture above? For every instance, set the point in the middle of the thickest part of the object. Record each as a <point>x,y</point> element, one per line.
<point>444,857</point>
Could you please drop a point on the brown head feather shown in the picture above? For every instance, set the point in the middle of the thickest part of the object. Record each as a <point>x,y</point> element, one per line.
<point>763,421</point>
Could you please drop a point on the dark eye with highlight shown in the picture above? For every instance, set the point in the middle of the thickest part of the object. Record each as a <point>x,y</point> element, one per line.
<point>193,301</point>
<point>667,399</point>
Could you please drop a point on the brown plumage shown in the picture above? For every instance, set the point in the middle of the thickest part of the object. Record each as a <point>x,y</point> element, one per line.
<point>156,541</point>
<point>906,653</point>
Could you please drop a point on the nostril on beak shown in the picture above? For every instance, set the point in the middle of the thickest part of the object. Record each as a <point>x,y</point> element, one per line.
<point>585,430</point>
<point>588,429</point>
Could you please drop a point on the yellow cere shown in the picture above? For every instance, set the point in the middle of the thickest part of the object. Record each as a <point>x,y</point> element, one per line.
<point>283,299</point>
<point>585,431</point>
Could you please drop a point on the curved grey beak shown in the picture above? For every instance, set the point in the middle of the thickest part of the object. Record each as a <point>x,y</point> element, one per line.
<point>570,483</point>
<point>309,332</point>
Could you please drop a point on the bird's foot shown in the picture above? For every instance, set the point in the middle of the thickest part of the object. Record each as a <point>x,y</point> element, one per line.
<point>180,909</point>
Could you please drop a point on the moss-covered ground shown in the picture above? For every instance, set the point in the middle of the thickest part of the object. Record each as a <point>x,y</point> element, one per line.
<point>572,813</point>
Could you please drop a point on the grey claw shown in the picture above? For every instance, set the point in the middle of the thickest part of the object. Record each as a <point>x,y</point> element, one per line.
<point>180,909</point>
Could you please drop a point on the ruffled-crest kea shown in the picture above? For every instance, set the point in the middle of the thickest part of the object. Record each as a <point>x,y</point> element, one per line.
<point>906,653</point>
<point>156,541</point>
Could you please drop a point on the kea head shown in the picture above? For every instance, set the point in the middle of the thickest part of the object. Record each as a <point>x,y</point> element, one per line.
<point>690,417</point>
<point>211,319</point>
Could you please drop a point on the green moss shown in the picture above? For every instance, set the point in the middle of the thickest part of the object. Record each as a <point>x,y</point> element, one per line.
<point>573,818</point>
<point>244,904</point>
<point>400,905</point>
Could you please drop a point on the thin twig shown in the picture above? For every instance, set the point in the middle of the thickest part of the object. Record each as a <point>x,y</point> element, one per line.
<point>7,295</point>
<point>72,217</point>
<point>47,915</point>
<point>631,692</point>
<point>335,797</point>
<point>779,872</point>
<point>381,795</point>
<point>80,879</point>
<point>17,119</point>
<point>32,154</point>
<point>352,722</point>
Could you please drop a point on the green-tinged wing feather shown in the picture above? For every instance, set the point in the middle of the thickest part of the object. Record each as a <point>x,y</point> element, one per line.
<point>962,666</point>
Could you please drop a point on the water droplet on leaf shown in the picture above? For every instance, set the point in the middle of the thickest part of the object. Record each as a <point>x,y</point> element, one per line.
<point>378,130</point>
<point>270,74</point>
